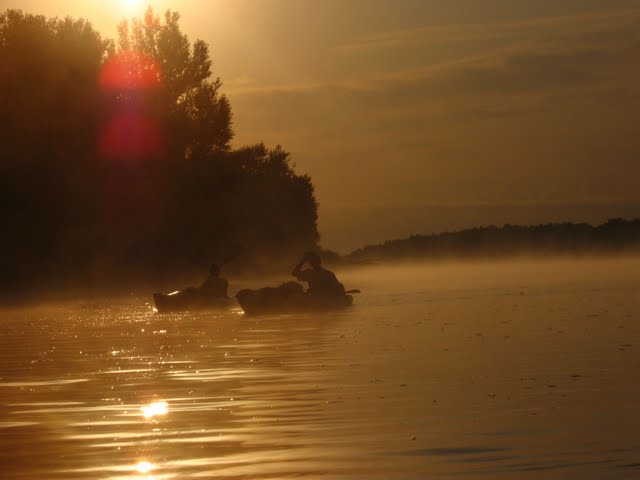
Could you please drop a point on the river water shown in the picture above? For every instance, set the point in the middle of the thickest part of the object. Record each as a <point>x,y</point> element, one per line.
<point>480,370</point>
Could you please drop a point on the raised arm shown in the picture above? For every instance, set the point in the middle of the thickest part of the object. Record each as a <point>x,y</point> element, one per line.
<point>298,268</point>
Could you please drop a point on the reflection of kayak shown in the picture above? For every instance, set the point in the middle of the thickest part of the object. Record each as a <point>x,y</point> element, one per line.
<point>288,298</point>
<point>190,299</point>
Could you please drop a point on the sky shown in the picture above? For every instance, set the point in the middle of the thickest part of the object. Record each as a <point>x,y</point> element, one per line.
<point>420,116</point>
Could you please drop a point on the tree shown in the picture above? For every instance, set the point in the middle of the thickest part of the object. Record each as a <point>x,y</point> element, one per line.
<point>48,121</point>
<point>116,157</point>
<point>195,112</point>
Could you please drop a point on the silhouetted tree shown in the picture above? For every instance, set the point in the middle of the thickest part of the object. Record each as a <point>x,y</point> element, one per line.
<point>48,123</point>
<point>117,156</point>
<point>197,116</point>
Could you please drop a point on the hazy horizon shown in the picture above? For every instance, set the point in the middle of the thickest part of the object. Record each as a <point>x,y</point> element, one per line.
<point>351,226</point>
<point>425,116</point>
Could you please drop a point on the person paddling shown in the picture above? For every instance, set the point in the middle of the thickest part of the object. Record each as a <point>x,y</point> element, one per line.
<point>322,282</point>
<point>214,286</point>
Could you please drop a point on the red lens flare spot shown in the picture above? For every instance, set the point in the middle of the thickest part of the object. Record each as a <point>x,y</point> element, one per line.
<point>128,80</point>
<point>131,136</point>
<point>130,71</point>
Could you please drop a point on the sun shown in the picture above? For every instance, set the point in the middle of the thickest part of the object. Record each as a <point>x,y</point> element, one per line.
<point>132,7</point>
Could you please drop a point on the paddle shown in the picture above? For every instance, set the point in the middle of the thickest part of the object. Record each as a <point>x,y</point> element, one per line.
<point>236,253</point>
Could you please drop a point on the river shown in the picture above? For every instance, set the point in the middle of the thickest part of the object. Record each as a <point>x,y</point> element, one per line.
<point>519,369</point>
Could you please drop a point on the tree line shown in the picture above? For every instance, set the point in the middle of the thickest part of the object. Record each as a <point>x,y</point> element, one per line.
<point>116,158</point>
<point>616,236</point>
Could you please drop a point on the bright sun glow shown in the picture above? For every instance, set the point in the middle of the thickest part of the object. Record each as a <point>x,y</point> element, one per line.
<point>156,408</point>
<point>132,7</point>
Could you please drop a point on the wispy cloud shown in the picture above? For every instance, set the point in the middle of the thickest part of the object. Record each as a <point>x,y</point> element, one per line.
<point>543,111</point>
<point>471,32</point>
<point>548,53</point>
<point>530,67</point>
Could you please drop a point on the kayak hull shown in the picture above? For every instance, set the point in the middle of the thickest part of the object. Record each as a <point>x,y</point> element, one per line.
<point>186,300</point>
<point>268,301</point>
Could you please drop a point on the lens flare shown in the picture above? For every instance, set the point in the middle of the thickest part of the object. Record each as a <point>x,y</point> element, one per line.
<point>131,135</point>
<point>130,70</point>
<point>130,82</point>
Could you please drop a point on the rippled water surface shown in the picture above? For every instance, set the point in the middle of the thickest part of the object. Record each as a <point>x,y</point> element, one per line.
<point>510,370</point>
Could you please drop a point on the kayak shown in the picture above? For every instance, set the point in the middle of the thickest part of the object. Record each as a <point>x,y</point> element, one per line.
<point>288,298</point>
<point>191,299</point>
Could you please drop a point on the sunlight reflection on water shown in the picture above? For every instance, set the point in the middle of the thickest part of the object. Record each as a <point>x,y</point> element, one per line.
<point>154,409</point>
<point>456,381</point>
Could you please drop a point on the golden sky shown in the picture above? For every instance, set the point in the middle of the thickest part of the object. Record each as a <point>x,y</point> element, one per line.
<point>415,116</point>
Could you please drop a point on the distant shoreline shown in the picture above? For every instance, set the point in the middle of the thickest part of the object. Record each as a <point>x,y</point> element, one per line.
<point>617,236</point>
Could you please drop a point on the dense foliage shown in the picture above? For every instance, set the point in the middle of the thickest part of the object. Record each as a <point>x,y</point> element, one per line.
<point>115,157</point>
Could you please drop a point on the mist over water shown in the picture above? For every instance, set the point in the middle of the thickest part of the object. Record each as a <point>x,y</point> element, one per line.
<point>519,369</point>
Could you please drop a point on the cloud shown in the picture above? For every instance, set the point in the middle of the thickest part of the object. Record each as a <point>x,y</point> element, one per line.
<point>447,34</point>
<point>545,114</point>
<point>493,85</point>
<point>534,68</point>
<point>528,71</point>
<point>538,54</point>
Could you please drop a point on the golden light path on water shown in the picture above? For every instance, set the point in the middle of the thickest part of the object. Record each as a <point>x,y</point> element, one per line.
<point>505,370</point>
